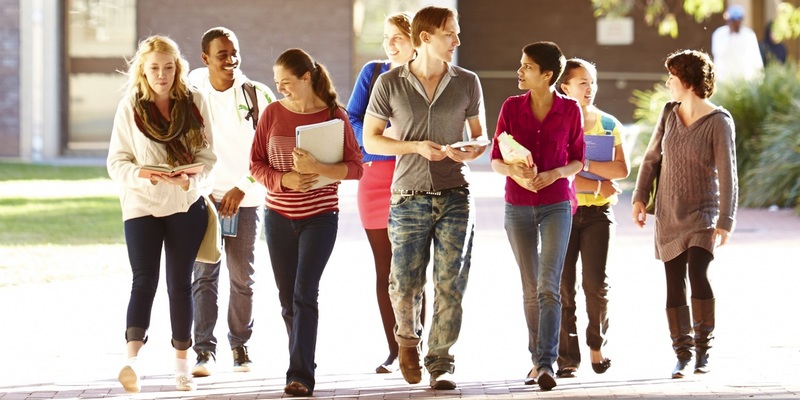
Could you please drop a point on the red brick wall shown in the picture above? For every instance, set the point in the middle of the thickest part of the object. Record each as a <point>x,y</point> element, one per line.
<point>493,34</point>
<point>265,29</point>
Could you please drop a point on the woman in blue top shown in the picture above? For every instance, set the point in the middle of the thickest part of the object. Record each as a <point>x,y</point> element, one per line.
<point>374,186</point>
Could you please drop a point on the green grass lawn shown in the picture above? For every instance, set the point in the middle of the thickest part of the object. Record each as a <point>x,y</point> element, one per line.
<point>58,222</point>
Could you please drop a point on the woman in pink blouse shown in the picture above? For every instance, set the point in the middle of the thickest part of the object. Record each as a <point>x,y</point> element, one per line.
<point>301,223</point>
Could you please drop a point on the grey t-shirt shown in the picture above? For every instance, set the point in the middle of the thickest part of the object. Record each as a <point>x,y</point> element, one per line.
<point>399,97</point>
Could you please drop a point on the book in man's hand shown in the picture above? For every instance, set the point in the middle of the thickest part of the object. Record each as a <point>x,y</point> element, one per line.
<point>513,152</point>
<point>146,171</point>
<point>598,148</point>
<point>325,141</point>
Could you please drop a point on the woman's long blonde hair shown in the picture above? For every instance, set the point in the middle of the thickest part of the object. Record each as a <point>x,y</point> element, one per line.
<point>137,86</point>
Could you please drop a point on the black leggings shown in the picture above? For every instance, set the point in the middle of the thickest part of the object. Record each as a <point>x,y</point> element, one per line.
<point>696,260</point>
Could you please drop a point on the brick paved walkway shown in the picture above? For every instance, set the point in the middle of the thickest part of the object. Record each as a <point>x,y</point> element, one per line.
<point>64,340</point>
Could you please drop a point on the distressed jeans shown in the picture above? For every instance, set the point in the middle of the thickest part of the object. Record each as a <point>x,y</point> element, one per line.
<point>538,236</point>
<point>415,221</point>
<point>240,260</point>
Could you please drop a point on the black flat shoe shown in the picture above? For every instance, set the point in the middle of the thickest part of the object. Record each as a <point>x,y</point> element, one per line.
<point>531,378</point>
<point>602,366</point>
<point>568,372</point>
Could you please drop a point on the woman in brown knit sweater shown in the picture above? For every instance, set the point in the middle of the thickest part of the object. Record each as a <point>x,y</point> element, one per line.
<point>695,211</point>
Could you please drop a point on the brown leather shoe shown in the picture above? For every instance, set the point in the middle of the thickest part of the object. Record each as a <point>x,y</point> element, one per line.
<point>409,364</point>
<point>296,389</point>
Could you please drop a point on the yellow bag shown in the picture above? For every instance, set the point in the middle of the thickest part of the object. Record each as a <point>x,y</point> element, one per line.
<point>210,251</point>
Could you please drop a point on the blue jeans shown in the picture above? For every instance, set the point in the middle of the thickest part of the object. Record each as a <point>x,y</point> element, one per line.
<point>240,258</point>
<point>592,230</point>
<point>299,250</point>
<point>180,235</point>
<point>414,221</point>
<point>532,229</point>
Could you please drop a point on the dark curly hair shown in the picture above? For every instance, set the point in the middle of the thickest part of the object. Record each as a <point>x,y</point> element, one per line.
<point>695,69</point>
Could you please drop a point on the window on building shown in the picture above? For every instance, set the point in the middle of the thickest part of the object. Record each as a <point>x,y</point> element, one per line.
<point>101,36</point>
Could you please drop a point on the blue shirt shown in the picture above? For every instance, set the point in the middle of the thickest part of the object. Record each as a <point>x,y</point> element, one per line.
<point>357,106</point>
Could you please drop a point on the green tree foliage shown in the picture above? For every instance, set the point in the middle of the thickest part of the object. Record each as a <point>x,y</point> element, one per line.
<point>662,14</point>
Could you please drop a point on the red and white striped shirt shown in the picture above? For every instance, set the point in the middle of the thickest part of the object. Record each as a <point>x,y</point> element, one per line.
<point>271,157</point>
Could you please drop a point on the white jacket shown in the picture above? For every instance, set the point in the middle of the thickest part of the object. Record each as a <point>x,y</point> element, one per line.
<point>234,135</point>
<point>130,148</point>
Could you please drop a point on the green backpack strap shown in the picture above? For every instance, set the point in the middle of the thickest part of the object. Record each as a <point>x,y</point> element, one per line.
<point>252,104</point>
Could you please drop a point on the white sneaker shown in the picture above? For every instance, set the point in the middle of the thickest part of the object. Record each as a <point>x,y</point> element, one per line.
<point>129,379</point>
<point>184,382</point>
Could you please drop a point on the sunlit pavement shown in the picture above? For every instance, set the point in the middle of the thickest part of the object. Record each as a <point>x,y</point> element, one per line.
<point>65,340</point>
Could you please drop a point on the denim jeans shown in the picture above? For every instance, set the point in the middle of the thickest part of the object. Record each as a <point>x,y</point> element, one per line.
<point>592,230</point>
<point>414,221</point>
<point>240,258</point>
<point>180,235</point>
<point>538,236</point>
<point>299,250</point>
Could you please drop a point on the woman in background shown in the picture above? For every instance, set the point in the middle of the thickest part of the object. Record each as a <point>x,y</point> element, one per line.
<point>160,121</point>
<point>301,223</point>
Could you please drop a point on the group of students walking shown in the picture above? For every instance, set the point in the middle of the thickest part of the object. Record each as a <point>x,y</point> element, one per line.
<point>413,196</point>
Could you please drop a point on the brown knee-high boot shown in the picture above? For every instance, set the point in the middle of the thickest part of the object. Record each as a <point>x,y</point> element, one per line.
<point>703,318</point>
<point>680,330</point>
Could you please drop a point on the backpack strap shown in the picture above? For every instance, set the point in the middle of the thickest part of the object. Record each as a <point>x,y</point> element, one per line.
<point>375,72</point>
<point>608,124</point>
<point>252,104</point>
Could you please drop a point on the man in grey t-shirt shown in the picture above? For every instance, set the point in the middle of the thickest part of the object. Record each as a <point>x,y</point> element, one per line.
<point>428,102</point>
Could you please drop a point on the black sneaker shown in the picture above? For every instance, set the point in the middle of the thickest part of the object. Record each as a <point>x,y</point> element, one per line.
<point>206,360</point>
<point>241,361</point>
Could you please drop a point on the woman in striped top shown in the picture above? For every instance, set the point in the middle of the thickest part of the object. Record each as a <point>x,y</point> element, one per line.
<point>301,223</point>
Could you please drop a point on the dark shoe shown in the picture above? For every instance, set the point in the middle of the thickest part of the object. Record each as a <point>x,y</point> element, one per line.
<point>387,367</point>
<point>681,368</point>
<point>703,318</point>
<point>531,378</point>
<point>296,389</point>
<point>568,372</point>
<point>206,361</point>
<point>409,364</point>
<point>680,330</point>
<point>602,366</point>
<point>442,381</point>
<point>241,361</point>
<point>545,380</point>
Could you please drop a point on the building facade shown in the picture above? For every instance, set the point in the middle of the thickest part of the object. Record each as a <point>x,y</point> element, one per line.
<point>60,79</point>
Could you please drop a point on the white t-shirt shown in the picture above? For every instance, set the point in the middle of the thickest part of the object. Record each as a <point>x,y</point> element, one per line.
<point>736,55</point>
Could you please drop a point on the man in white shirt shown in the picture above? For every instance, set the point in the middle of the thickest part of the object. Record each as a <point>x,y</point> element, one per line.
<point>234,106</point>
<point>735,50</point>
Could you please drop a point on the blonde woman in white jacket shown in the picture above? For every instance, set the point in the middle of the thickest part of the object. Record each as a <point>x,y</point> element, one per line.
<point>160,121</point>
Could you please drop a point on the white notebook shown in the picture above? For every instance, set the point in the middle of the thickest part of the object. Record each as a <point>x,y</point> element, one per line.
<point>325,141</point>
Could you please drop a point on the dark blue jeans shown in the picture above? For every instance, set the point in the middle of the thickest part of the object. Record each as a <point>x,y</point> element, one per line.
<point>592,230</point>
<point>180,234</point>
<point>299,250</point>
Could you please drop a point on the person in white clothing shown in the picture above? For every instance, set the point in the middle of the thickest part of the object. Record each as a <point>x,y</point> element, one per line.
<point>234,102</point>
<point>735,49</point>
<point>161,120</point>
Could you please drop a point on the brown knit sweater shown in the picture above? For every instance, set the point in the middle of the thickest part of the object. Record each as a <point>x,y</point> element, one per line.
<point>697,189</point>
